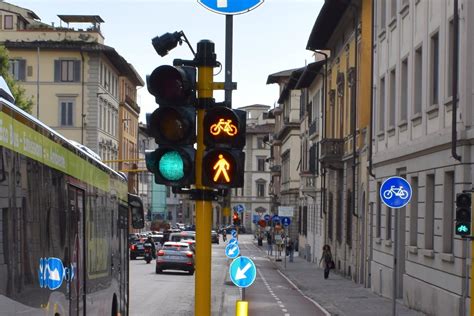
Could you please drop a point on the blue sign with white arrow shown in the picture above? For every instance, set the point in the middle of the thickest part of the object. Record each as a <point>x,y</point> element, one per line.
<point>233,241</point>
<point>266,217</point>
<point>51,273</point>
<point>286,221</point>
<point>275,218</point>
<point>230,7</point>
<point>242,271</point>
<point>395,192</point>
<point>232,250</point>
<point>239,208</point>
<point>233,232</point>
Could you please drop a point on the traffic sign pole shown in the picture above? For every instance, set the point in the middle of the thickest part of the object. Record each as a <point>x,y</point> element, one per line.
<point>202,289</point>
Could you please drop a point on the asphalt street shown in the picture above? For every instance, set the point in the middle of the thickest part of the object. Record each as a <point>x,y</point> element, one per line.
<point>172,293</point>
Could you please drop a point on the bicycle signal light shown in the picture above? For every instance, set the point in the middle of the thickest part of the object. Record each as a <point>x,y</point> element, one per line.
<point>463,214</point>
<point>224,127</point>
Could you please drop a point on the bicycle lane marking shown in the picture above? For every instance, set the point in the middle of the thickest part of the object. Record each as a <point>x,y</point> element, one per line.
<point>279,287</point>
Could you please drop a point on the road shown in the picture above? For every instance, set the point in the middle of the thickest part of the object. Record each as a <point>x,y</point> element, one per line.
<point>172,293</point>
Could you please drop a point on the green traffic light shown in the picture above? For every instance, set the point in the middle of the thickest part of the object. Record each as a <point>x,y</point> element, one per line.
<point>462,229</point>
<point>171,166</point>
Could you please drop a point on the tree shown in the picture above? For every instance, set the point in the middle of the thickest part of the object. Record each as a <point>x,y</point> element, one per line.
<point>21,100</point>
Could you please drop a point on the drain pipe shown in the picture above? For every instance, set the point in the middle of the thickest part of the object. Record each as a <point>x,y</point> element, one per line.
<point>353,116</point>
<point>82,98</point>
<point>455,81</point>
<point>370,167</point>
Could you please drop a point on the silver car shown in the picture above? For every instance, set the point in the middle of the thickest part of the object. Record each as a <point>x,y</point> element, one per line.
<point>175,256</point>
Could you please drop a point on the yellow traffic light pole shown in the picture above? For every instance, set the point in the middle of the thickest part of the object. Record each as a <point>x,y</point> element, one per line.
<point>202,296</point>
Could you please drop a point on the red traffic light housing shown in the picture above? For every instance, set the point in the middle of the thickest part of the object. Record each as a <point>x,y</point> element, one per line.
<point>236,219</point>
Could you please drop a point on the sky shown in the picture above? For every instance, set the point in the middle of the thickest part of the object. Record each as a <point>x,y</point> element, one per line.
<point>266,40</point>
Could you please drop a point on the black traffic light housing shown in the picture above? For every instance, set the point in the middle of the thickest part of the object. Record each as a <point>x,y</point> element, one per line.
<point>173,125</point>
<point>224,136</point>
<point>463,214</point>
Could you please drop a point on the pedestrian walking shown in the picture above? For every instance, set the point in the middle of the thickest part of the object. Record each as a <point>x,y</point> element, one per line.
<point>328,262</point>
<point>291,249</point>
<point>270,244</point>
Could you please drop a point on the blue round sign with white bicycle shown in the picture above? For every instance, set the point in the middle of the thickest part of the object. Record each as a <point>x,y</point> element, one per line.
<point>395,192</point>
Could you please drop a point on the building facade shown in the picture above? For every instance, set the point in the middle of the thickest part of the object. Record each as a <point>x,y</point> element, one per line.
<point>254,196</point>
<point>80,87</point>
<point>414,69</point>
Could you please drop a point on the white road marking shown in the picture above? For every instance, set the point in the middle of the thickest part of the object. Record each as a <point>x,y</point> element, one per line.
<point>284,310</point>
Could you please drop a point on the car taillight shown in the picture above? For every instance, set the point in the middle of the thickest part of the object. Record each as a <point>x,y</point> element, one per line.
<point>189,254</point>
<point>161,253</point>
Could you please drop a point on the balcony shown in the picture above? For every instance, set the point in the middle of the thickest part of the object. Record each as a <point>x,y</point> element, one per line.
<point>332,151</point>
<point>308,183</point>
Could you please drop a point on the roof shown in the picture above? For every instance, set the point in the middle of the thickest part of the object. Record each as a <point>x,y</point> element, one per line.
<point>326,22</point>
<point>260,129</point>
<point>310,72</point>
<point>275,78</point>
<point>124,68</point>
<point>81,18</point>
<point>20,10</point>
<point>294,77</point>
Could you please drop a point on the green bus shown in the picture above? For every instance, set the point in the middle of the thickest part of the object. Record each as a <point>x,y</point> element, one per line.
<point>64,220</point>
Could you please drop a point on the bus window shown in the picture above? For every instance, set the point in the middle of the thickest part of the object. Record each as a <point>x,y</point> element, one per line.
<point>138,218</point>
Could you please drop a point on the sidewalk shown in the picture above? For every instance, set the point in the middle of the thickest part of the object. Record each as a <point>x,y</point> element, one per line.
<point>338,295</point>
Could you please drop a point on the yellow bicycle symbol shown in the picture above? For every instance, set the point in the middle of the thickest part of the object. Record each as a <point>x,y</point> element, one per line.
<point>223,126</point>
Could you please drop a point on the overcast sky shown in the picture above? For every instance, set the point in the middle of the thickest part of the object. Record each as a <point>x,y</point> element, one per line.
<point>268,39</point>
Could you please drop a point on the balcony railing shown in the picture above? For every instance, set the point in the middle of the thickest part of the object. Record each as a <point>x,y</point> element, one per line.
<point>332,150</point>
<point>308,182</point>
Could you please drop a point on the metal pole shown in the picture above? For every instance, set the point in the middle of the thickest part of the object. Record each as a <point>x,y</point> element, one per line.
<point>286,245</point>
<point>37,82</point>
<point>202,297</point>
<point>395,250</point>
<point>228,58</point>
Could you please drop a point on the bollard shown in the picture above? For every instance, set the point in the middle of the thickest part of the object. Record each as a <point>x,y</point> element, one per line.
<point>241,308</point>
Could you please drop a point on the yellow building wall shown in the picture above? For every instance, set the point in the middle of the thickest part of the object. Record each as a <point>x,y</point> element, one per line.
<point>48,89</point>
<point>364,80</point>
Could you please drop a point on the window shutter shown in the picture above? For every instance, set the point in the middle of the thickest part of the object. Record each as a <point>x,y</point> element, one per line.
<point>57,70</point>
<point>77,70</point>
<point>22,70</point>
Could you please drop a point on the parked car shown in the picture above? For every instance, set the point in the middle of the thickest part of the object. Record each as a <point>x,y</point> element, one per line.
<point>175,256</point>
<point>214,237</point>
<point>229,228</point>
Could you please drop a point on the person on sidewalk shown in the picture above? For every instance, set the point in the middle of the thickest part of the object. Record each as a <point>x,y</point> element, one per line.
<point>291,249</point>
<point>328,262</point>
<point>270,243</point>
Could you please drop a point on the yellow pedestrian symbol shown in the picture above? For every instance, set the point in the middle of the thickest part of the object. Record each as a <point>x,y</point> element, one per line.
<point>221,166</point>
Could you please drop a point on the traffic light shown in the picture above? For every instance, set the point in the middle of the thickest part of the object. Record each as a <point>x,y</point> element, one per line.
<point>463,214</point>
<point>224,136</point>
<point>236,219</point>
<point>173,125</point>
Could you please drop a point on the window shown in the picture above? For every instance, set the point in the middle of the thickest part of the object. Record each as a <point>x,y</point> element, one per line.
<point>17,68</point>
<point>66,115</point>
<point>450,62</point>
<point>339,217</point>
<point>404,90</point>
<point>260,189</point>
<point>393,9</point>
<point>382,105</point>
<point>349,218</point>
<point>8,22</point>
<point>260,143</point>
<point>413,205</point>
<point>260,163</point>
<point>378,219</point>
<point>429,211</point>
<point>383,12</point>
<point>393,99</point>
<point>67,70</point>
<point>330,215</point>
<point>434,77</point>
<point>418,80</point>
<point>448,210</point>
